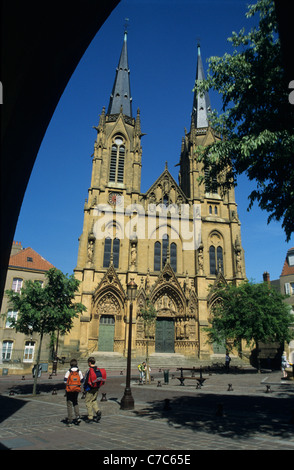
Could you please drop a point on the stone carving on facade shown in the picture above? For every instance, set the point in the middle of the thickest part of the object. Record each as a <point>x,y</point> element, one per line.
<point>108,305</point>
<point>200,260</point>
<point>238,256</point>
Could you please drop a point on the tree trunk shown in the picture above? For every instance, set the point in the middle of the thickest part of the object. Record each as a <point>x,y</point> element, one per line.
<point>258,357</point>
<point>37,366</point>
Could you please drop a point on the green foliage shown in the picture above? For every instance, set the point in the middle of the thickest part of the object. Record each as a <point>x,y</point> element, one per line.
<point>251,312</point>
<point>46,309</point>
<point>148,314</point>
<point>257,121</point>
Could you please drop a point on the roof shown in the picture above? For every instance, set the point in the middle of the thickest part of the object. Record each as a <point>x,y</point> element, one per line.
<point>121,91</point>
<point>201,103</point>
<point>287,269</point>
<point>29,259</point>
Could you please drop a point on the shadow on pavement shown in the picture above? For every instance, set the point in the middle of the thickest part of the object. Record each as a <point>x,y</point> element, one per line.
<point>231,416</point>
<point>9,406</point>
<point>27,389</point>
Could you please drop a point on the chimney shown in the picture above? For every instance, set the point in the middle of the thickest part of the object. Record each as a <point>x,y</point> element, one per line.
<point>266,277</point>
<point>16,248</point>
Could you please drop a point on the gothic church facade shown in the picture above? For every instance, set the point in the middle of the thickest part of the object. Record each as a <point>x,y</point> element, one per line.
<point>174,241</point>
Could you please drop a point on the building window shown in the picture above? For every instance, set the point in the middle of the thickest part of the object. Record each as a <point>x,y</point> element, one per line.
<point>289,288</point>
<point>117,161</point>
<point>7,347</point>
<point>291,258</point>
<point>216,262</point>
<point>10,315</point>
<point>108,247</point>
<point>157,256</point>
<point>173,256</point>
<point>160,254</point>
<point>16,284</point>
<point>212,262</point>
<point>29,351</point>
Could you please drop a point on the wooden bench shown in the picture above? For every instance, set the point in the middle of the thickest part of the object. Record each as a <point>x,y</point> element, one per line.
<point>200,380</point>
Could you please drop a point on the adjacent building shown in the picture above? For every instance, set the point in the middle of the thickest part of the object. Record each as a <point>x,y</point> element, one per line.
<point>18,351</point>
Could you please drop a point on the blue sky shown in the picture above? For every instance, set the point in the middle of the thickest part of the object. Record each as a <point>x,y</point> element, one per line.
<point>162,50</point>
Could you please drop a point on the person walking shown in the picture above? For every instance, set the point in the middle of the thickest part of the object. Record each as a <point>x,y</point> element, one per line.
<point>91,388</point>
<point>227,361</point>
<point>73,380</point>
<point>142,372</point>
<point>284,364</point>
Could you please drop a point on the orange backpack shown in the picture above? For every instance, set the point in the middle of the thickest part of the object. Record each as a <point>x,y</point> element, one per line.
<point>73,383</point>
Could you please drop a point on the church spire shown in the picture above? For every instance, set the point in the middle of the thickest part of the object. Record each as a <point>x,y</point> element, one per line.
<point>201,103</point>
<point>120,97</point>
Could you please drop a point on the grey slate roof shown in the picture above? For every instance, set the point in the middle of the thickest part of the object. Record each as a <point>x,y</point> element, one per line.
<point>201,104</point>
<point>121,92</point>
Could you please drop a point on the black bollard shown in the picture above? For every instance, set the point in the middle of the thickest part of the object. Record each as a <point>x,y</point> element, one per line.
<point>54,391</point>
<point>230,388</point>
<point>103,397</point>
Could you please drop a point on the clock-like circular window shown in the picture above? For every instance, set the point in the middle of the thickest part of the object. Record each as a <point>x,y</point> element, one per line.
<point>118,141</point>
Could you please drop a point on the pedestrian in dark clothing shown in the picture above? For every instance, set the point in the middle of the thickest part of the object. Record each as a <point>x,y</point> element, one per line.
<point>91,388</point>
<point>228,360</point>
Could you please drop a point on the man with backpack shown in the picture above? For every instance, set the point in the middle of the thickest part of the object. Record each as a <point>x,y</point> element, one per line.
<point>73,380</point>
<point>93,380</point>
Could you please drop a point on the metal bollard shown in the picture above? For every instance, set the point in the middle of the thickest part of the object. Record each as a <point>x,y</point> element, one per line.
<point>230,388</point>
<point>159,383</point>
<point>54,391</point>
<point>268,389</point>
<point>103,397</point>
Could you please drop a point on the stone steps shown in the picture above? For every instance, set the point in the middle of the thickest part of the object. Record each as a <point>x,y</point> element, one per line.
<point>117,362</point>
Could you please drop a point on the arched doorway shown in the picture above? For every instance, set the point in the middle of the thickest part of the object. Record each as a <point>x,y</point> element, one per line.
<point>165,335</point>
<point>106,333</point>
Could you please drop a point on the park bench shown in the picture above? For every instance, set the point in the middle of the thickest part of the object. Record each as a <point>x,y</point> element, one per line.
<point>200,379</point>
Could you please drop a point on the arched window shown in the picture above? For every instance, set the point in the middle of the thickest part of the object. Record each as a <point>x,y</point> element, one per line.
<point>107,252</point>
<point>165,240</point>
<point>157,256</point>
<point>160,254</point>
<point>212,260</point>
<point>173,256</point>
<point>220,262</point>
<point>117,161</point>
<point>116,243</point>
<point>216,261</point>
<point>108,245</point>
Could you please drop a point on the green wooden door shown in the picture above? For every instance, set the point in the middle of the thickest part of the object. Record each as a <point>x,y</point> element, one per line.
<point>165,336</point>
<point>106,333</point>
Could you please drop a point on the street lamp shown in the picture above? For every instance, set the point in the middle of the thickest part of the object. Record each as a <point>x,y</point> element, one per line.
<point>127,401</point>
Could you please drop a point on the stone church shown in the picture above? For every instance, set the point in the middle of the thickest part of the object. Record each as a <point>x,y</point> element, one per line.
<point>175,241</point>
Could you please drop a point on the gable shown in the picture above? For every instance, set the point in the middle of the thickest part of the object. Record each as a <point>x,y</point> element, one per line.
<point>29,259</point>
<point>165,186</point>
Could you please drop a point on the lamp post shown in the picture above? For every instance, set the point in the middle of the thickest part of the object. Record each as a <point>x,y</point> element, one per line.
<point>127,401</point>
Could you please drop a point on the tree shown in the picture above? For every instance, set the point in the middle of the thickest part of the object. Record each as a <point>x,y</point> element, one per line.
<point>257,120</point>
<point>149,316</point>
<point>251,312</point>
<point>45,309</point>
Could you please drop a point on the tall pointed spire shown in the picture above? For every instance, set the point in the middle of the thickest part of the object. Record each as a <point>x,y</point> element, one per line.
<point>201,103</point>
<point>120,97</point>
